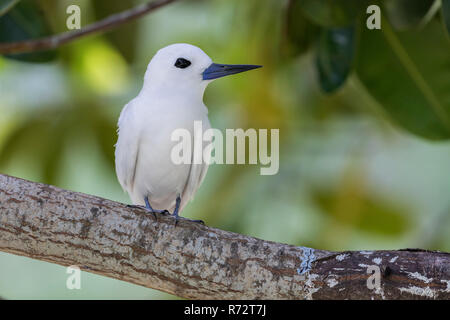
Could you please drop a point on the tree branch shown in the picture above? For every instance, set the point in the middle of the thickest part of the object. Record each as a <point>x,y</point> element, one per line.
<point>195,261</point>
<point>106,24</point>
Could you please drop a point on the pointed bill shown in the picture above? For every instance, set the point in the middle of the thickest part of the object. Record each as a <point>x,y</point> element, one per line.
<point>216,70</point>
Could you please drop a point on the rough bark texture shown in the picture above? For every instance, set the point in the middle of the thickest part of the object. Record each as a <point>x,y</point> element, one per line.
<point>195,261</point>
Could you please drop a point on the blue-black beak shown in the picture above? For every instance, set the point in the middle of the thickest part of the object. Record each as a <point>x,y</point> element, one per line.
<point>216,70</point>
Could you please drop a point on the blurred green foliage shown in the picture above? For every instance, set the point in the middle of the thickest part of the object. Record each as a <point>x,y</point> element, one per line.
<point>363,118</point>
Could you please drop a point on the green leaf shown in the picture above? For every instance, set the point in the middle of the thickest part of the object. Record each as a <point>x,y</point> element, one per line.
<point>408,73</point>
<point>334,57</point>
<point>25,21</point>
<point>300,33</point>
<point>333,13</point>
<point>407,14</point>
<point>446,15</point>
<point>6,5</point>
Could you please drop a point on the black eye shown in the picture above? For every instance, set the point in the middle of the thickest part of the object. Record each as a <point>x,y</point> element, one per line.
<point>182,63</point>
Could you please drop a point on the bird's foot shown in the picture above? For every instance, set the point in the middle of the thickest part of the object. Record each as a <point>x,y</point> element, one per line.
<point>158,211</point>
<point>155,211</point>
<point>151,210</point>
<point>134,206</point>
<point>176,213</point>
<point>178,218</point>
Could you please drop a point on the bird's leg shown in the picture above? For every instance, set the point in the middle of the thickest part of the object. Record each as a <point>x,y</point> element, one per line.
<point>149,207</point>
<point>177,216</point>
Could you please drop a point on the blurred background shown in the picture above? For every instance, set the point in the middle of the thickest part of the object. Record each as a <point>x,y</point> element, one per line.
<point>364,119</point>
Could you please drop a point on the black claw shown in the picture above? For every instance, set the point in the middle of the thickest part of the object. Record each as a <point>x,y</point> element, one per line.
<point>164,212</point>
<point>178,218</point>
<point>133,206</point>
<point>152,211</point>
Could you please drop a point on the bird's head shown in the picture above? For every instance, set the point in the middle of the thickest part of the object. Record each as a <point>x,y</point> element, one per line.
<point>183,66</point>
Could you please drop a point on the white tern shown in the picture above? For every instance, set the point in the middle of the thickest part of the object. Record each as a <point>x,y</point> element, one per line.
<point>171,98</point>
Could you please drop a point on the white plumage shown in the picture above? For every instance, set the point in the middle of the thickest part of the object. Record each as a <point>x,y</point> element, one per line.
<point>171,98</point>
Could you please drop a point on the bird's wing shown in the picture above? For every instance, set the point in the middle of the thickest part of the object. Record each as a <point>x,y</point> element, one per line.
<point>127,148</point>
<point>195,179</point>
<point>205,165</point>
<point>202,174</point>
<point>197,172</point>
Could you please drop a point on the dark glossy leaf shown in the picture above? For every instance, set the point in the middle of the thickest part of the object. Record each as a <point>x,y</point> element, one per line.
<point>334,56</point>
<point>408,73</point>
<point>300,33</point>
<point>25,22</point>
<point>407,14</point>
<point>333,13</point>
<point>6,5</point>
<point>446,15</point>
